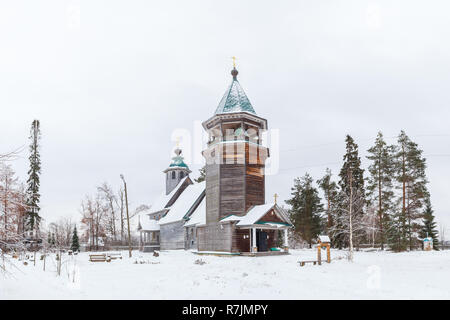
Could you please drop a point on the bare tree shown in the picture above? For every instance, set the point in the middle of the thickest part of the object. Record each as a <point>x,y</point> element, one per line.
<point>107,195</point>
<point>92,220</point>
<point>349,221</point>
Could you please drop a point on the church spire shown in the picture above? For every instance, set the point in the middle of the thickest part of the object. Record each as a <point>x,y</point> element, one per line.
<point>234,99</point>
<point>176,171</point>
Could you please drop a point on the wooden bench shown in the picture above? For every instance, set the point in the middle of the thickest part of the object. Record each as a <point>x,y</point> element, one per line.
<point>115,255</point>
<point>99,258</point>
<point>302,263</point>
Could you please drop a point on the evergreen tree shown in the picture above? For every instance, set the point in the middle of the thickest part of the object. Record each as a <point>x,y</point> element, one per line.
<point>330,191</point>
<point>350,193</point>
<point>393,230</point>
<point>32,215</point>
<point>410,173</point>
<point>352,162</point>
<point>380,186</point>
<point>75,243</point>
<point>429,225</point>
<point>305,209</point>
<point>202,176</point>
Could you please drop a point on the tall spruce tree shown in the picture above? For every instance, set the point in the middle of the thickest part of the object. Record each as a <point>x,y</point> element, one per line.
<point>352,162</point>
<point>348,192</point>
<point>75,246</point>
<point>330,191</point>
<point>33,197</point>
<point>410,173</point>
<point>306,209</point>
<point>379,186</point>
<point>429,225</point>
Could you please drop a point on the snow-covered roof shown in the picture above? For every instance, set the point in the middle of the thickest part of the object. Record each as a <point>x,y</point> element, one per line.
<point>161,202</point>
<point>256,213</point>
<point>148,224</point>
<point>324,239</point>
<point>184,202</point>
<point>198,216</point>
<point>234,99</point>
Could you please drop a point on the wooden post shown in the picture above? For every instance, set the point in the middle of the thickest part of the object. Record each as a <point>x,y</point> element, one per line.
<point>254,247</point>
<point>286,241</point>
<point>128,217</point>
<point>328,253</point>
<point>319,254</point>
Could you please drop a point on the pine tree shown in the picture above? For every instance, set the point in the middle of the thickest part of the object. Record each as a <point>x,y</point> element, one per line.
<point>350,169</point>
<point>380,186</point>
<point>75,243</point>
<point>330,191</point>
<point>32,216</point>
<point>305,209</point>
<point>202,176</point>
<point>410,173</point>
<point>429,225</point>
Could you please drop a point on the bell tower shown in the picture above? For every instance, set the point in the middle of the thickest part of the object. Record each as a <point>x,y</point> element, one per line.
<point>176,171</point>
<point>235,157</point>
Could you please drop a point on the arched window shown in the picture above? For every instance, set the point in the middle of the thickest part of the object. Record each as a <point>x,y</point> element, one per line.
<point>181,174</point>
<point>173,174</point>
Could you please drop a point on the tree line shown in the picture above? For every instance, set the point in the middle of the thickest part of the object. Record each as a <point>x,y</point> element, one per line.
<point>387,205</point>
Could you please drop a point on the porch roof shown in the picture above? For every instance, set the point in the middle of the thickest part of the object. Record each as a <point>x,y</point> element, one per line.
<point>148,224</point>
<point>256,213</point>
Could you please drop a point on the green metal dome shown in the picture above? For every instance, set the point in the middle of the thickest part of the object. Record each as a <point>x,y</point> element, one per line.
<point>234,99</point>
<point>178,160</point>
<point>179,164</point>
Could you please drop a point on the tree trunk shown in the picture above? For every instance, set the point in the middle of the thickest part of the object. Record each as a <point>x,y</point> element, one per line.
<point>380,212</point>
<point>404,195</point>
<point>350,219</point>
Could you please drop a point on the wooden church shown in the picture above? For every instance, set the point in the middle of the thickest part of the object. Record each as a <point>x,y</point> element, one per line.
<point>227,213</point>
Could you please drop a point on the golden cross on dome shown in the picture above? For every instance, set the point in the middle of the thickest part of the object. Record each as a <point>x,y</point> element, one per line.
<point>178,142</point>
<point>234,61</point>
<point>275,196</point>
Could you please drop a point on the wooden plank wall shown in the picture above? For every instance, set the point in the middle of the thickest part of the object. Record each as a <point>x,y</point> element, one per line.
<point>241,240</point>
<point>212,193</point>
<point>232,190</point>
<point>215,237</point>
<point>172,235</point>
<point>271,217</point>
<point>255,186</point>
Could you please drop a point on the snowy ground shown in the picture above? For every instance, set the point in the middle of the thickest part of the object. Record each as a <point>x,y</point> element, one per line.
<point>174,275</point>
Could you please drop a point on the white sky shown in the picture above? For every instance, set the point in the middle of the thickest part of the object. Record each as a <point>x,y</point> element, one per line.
<point>111,80</point>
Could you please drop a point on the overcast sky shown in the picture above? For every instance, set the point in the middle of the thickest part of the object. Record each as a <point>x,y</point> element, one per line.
<point>110,81</point>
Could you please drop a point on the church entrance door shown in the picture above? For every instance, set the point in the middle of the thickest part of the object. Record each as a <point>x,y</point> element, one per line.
<point>261,240</point>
